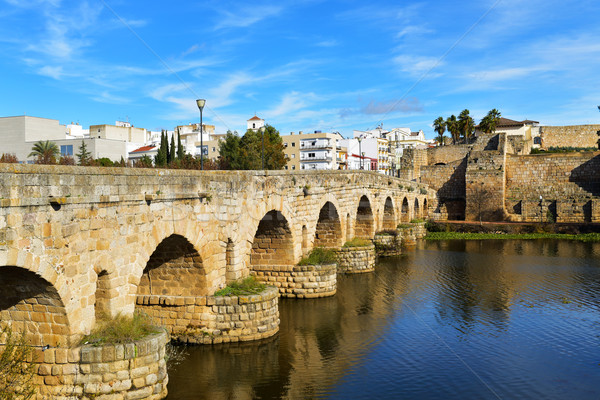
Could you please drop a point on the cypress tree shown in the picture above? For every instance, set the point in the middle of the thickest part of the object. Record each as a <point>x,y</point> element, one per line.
<point>180,151</point>
<point>172,151</point>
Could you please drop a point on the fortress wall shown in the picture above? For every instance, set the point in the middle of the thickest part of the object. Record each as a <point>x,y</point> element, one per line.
<point>570,136</point>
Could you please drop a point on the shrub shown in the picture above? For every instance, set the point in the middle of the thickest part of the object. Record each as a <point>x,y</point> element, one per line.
<point>244,287</point>
<point>66,160</point>
<point>423,191</point>
<point>319,256</point>
<point>417,220</point>
<point>120,329</point>
<point>410,189</point>
<point>9,158</point>
<point>388,232</point>
<point>357,242</point>
<point>404,226</point>
<point>16,374</point>
<point>104,162</point>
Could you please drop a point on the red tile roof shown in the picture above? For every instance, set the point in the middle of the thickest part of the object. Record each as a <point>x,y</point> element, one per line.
<point>142,149</point>
<point>255,118</point>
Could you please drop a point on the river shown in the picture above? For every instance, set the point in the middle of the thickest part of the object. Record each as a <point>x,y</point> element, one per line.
<point>447,320</point>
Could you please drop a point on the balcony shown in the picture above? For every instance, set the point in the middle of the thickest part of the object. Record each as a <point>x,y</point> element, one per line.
<point>317,145</point>
<point>317,157</point>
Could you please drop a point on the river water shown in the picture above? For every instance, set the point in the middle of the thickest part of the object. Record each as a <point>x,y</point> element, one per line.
<point>447,320</point>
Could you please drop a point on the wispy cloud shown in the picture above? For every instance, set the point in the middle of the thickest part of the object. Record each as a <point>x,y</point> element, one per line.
<point>416,66</point>
<point>327,43</point>
<point>247,16</point>
<point>374,107</point>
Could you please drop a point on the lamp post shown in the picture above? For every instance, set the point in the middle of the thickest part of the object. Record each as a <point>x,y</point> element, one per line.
<point>541,211</point>
<point>360,151</point>
<point>262,154</point>
<point>200,103</point>
<point>362,157</point>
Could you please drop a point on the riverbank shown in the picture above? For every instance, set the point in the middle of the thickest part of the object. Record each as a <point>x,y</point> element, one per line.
<point>584,237</point>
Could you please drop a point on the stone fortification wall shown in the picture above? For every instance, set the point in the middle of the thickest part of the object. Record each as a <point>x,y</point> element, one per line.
<point>484,179</point>
<point>447,154</point>
<point>570,136</point>
<point>215,319</point>
<point>356,259</point>
<point>300,281</point>
<point>112,371</point>
<point>569,184</point>
<point>411,162</point>
<point>409,233</point>
<point>449,182</point>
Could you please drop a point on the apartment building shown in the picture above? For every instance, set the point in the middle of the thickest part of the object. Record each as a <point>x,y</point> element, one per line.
<point>313,151</point>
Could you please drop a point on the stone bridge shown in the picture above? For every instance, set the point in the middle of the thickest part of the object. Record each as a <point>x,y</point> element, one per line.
<point>76,242</point>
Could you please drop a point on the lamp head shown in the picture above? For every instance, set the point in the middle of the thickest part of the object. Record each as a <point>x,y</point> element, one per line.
<point>200,103</point>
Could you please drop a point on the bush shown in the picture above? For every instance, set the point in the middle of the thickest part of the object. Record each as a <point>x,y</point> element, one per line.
<point>245,287</point>
<point>104,162</point>
<point>357,242</point>
<point>16,374</point>
<point>319,256</point>
<point>66,160</point>
<point>120,329</point>
<point>416,221</point>
<point>9,158</point>
<point>388,232</point>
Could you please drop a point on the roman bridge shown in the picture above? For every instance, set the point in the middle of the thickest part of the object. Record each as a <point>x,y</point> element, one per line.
<point>76,242</point>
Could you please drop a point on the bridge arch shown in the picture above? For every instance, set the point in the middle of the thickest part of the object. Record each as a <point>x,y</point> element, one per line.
<point>364,225</point>
<point>405,211</point>
<point>389,217</point>
<point>273,242</point>
<point>33,306</point>
<point>175,268</point>
<point>328,230</point>
<point>417,210</point>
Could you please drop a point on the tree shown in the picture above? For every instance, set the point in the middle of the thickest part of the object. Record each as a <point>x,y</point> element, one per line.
<point>466,125</point>
<point>453,128</point>
<point>489,123</point>
<point>439,126</point>
<point>229,152</point>
<point>85,157</point>
<point>160,159</point>
<point>172,152</point>
<point>180,149</point>
<point>45,152</point>
<point>144,162</point>
<point>16,373</point>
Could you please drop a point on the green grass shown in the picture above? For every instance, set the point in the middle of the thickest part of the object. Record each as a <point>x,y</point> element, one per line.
<point>120,329</point>
<point>244,287</point>
<point>357,242</point>
<point>319,256</point>
<point>416,221</point>
<point>587,237</point>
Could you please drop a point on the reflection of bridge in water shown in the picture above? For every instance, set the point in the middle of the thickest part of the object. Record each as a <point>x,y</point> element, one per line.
<point>78,242</point>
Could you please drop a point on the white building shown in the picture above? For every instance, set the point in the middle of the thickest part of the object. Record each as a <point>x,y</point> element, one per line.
<point>255,123</point>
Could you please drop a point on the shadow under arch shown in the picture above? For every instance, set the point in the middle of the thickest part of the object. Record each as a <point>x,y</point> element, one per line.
<point>364,225</point>
<point>405,211</point>
<point>175,268</point>
<point>33,306</point>
<point>328,232</point>
<point>389,217</point>
<point>273,241</point>
<point>417,209</point>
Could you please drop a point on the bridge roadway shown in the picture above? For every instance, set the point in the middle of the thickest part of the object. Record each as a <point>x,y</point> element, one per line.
<point>76,242</point>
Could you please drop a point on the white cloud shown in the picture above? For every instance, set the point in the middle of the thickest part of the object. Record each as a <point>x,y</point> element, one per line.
<point>418,65</point>
<point>413,30</point>
<point>247,16</point>
<point>52,72</point>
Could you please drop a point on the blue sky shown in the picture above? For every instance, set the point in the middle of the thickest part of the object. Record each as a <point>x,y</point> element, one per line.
<point>300,65</point>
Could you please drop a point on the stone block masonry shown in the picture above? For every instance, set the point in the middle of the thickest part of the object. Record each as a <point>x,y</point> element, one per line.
<point>299,281</point>
<point>352,260</point>
<point>387,245</point>
<point>127,371</point>
<point>215,319</point>
<point>570,136</point>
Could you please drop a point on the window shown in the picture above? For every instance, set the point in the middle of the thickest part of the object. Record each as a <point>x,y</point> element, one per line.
<point>286,167</point>
<point>214,149</point>
<point>285,145</point>
<point>293,167</point>
<point>311,155</point>
<point>293,156</point>
<point>253,125</point>
<point>66,150</point>
<point>293,144</point>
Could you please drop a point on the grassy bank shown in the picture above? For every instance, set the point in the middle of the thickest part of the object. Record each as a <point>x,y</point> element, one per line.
<point>585,237</point>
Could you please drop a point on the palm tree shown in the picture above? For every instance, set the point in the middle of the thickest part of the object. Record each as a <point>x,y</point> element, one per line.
<point>466,124</point>
<point>45,152</point>
<point>490,121</point>
<point>439,125</point>
<point>452,126</point>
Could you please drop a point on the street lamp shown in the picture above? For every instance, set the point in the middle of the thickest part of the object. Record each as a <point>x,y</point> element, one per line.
<point>362,157</point>
<point>262,154</point>
<point>360,152</point>
<point>201,103</point>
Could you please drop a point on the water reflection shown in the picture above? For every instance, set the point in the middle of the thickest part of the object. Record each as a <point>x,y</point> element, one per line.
<point>523,316</point>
